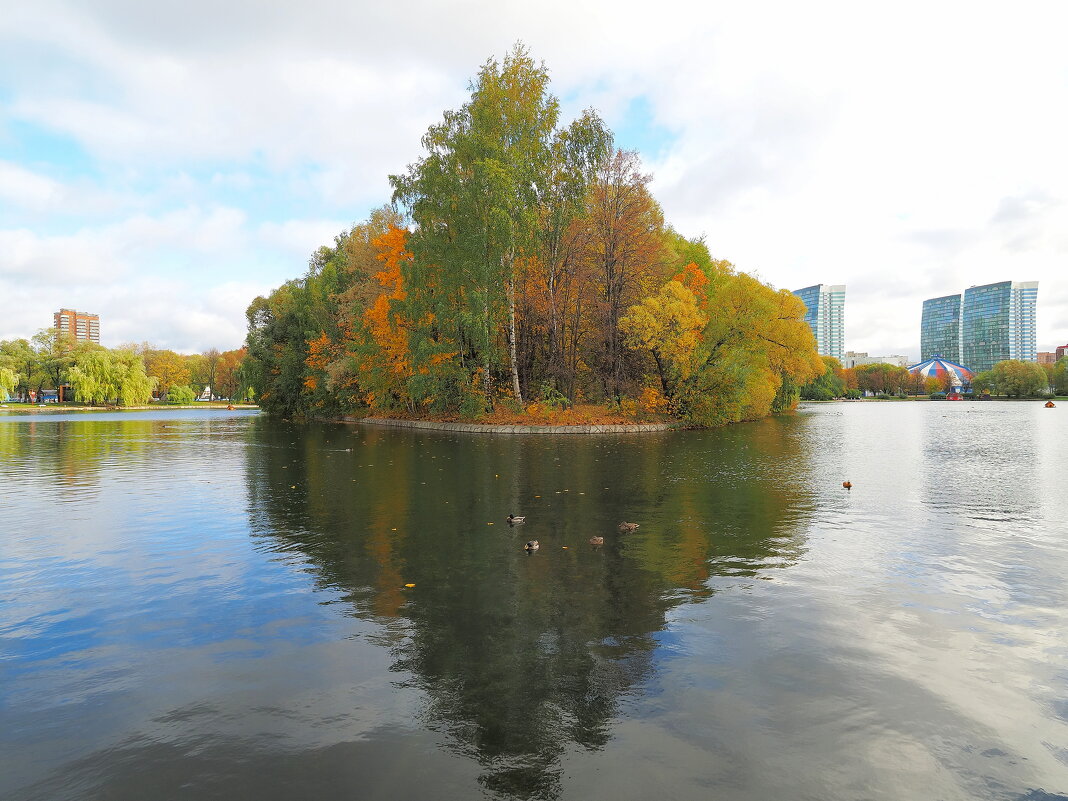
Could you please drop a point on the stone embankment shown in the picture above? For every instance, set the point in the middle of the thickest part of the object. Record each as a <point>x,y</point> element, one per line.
<point>485,428</point>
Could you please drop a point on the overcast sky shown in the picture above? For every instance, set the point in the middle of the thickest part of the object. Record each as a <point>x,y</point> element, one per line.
<point>162,163</point>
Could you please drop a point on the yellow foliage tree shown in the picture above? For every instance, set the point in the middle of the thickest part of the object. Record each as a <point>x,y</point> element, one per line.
<point>732,347</point>
<point>668,325</point>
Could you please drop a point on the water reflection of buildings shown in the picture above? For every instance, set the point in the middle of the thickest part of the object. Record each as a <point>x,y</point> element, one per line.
<point>524,658</point>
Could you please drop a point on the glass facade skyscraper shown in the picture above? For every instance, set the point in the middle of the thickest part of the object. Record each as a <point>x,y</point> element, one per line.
<point>825,314</point>
<point>940,328</point>
<point>988,324</point>
<point>998,323</point>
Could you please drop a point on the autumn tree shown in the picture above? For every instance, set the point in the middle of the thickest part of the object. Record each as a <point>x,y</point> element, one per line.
<point>209,367</point>
<point>227,372</point>
<point>168,368</point>
<point>479,199</point>
<point>385,364</point>
<point>627,255</point>
<point>667,324</point>
<point>553,296</point>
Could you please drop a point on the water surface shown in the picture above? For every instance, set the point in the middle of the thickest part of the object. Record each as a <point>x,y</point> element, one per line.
<point>208,604</point>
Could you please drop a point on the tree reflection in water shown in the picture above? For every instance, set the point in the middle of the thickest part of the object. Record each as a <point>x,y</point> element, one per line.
<point>524,658</point>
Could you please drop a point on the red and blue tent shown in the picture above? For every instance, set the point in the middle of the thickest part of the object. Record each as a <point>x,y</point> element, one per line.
<point>937,367</point>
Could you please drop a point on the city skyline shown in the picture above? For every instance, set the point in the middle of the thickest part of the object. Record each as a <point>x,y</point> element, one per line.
<point>164,173</point>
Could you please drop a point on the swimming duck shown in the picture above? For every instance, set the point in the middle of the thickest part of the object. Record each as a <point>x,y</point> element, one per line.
<point>532,546</point>
<point>596,540</point>
<point>847,484</point>
<point>625,526</point>
<point>515,521</point>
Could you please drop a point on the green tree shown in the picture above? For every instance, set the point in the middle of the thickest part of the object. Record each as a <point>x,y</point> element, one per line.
<point>1059,376</point>
<point>1018,378</point>
<point>134,384</point>
<point>102,376</point>
<point>829,385</point>
<point>55,356</point>
<point>477,200</point>
<point>9,379</point>
<point>95,378</point>
<point>181,395</point>
<point>983,382</point>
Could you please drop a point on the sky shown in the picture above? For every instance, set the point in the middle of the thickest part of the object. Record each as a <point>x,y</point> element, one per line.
<point>162,164</point>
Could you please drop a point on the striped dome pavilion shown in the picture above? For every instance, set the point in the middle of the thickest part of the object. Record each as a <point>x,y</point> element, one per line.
<point>937,367</point>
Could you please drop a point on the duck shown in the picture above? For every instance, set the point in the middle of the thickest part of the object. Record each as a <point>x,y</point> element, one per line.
<point>513,520</point>
<point>531,546</point>
<point>847,484</point>
<point>625,526</point>
<point>596,540</point>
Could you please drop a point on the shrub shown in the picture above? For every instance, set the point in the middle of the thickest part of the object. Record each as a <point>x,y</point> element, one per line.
<point>937,396</point>
<point>553,398</point>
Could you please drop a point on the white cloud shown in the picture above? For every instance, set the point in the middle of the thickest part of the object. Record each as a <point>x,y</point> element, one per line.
<point>906,152</point>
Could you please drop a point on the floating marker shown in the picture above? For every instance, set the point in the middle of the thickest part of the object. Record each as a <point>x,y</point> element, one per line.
<point>409,586</point>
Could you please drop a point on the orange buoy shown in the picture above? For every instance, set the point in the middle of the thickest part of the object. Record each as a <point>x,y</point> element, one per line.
<point>847,484</point>
<point>1051,405</point>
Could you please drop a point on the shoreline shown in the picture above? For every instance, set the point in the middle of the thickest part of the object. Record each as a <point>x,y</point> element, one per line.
<point>54,408</point>
<point>512,428</point>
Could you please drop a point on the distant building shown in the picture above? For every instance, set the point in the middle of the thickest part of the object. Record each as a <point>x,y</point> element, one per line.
<point>940,328</point>
<point>825,315</point>
<point>852,359</point>
<point>80,325</point>
<point>1062,351</point>
<point>1047,357</point>
<point>998,323</point>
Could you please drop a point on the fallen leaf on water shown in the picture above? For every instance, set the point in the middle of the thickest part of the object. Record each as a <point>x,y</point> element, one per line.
<point>409,585</point>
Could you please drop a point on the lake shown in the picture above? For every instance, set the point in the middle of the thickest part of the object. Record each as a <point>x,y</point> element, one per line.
<point>215,605</point>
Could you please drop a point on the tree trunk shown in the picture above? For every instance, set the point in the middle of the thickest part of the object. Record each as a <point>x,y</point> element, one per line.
<point>511,341</point>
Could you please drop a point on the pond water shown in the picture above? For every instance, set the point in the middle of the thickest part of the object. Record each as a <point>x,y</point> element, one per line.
<point>214,605</point>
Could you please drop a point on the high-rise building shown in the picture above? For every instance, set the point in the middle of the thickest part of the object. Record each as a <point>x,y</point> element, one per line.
<point>80,325</point>
<point>825,314</point>
<point>998,323</point>
<point>940,328</point>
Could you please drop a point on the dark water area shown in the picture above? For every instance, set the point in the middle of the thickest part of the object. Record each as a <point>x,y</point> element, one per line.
<point>213,605</point>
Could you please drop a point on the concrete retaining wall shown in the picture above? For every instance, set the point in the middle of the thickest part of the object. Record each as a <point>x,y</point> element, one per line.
<point>482,428</point>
